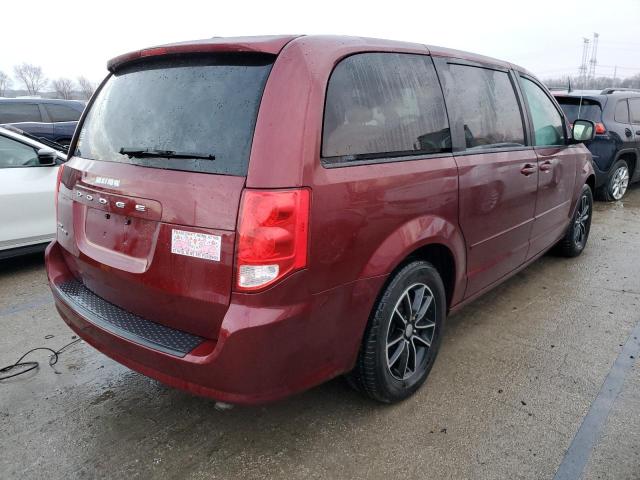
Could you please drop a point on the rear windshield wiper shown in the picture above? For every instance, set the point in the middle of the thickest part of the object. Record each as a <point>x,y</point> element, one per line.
<point>153,153</point>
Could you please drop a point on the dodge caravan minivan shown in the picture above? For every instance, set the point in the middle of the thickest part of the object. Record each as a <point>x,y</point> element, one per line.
<point>245,218</point>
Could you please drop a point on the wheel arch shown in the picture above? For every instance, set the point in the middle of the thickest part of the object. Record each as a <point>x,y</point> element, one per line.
<point>629,156</point>
<point>591,181</point>
<point>428,238</point>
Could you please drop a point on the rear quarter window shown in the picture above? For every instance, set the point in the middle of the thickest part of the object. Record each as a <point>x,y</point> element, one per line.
<point>622,112</point>
<point>62,113</point>
<point>382,105</point>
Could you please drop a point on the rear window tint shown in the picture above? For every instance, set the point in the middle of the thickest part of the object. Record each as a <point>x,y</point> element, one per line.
<point>485,101</point>
<point>19,112</point>
<point>580,108</point>
<point>205,105</point>
<point>381,105</point>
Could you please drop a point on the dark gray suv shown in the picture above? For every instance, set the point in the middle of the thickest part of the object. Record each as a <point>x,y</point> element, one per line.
<point>616,146</point>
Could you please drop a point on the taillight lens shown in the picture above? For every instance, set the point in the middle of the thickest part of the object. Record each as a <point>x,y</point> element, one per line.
<point>600,128</point>
<point>58,180</point>
<point>272,236</point>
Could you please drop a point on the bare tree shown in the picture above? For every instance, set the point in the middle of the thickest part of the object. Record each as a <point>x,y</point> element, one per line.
<point>86,87</point>
<point>5,81</point>
<point>63,87</point>
<point>32,77</point>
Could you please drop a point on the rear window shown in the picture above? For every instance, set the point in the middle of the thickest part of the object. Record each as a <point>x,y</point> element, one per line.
<point>204,105</point>
<point>580,108</point>
<point>19,112</point>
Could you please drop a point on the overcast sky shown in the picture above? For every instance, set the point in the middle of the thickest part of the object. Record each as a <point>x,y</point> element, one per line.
<point>71,38</point>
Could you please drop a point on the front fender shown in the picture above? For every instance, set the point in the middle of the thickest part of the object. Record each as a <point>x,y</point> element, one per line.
<point>413,235</point>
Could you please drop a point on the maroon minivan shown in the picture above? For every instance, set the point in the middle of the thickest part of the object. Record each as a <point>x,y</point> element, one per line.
<point>245,218</point>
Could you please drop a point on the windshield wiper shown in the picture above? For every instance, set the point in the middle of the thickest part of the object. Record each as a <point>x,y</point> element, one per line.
<point>153,153</point>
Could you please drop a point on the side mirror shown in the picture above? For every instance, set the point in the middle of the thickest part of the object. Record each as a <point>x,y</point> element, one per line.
<point>583,131</point>
<point>47,156</point>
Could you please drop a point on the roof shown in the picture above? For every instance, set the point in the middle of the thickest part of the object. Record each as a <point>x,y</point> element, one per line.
<point>57,101</point>
<point>598,94</point>
<point>274,44</point>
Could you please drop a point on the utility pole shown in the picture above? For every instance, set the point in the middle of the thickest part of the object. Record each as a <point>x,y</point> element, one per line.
<point>582,70</point>
<point>594,60</point>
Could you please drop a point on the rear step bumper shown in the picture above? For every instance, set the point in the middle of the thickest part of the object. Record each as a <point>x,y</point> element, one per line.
<point>261,354</point>
<point>125,324</point>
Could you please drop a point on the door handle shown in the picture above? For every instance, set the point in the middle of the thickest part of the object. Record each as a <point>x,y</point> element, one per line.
<point>546,166</point>
<point>637,132</point>
<point>528,169</point>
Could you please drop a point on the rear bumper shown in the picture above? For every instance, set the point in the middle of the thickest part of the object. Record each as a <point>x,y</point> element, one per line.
<point>262,353</point>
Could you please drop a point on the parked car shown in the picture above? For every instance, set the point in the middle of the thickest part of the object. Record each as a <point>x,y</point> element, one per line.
<point>306,207</point>
<point>47,118</point>
<point>616,146</point>
<point>28,172</point>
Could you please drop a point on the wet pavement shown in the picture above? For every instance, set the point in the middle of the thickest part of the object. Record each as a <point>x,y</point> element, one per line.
<point>519,372</point>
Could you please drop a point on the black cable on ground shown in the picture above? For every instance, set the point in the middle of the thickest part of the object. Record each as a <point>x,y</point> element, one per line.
<point>28,366</point>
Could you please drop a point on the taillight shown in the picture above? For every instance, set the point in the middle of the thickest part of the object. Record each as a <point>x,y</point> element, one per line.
<point>58,180</point>
<point>272,236</point>
<point>600,128</point>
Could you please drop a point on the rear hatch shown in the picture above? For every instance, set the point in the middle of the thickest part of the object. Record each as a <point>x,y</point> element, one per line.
<point>148,203</point>
<point>580,107</point>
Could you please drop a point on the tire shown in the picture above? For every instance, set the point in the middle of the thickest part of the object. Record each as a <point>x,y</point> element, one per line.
<point>617,183</point>
<point>575,240</point>
<point>412,323</point>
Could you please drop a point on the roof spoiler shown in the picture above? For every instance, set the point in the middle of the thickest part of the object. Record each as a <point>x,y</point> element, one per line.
<point>608,91</point>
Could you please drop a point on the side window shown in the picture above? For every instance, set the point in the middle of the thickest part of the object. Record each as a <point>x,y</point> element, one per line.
<point>622,112</point>
<point>16,154</point>
<point>382,105</point>
<point>19,112</point>
<point>634,110</point>
<point>547,121</point>
<point>485,101</point>
<point>62,113</point>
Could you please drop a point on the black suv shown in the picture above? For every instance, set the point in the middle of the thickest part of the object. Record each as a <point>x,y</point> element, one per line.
<point>616,146</point>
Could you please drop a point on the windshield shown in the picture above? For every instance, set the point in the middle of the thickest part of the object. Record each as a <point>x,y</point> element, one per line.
<point>576,107</point>
<point>206,105</point>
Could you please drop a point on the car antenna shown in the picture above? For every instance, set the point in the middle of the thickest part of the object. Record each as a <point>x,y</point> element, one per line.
<point>569,83</point>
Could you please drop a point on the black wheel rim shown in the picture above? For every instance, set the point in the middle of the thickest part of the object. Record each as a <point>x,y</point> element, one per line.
<point>582,222</point>
<point>411,331</point>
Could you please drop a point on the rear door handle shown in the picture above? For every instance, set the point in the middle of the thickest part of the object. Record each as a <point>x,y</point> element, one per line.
<point>637,132</point>
<point>528,169</point>
<point>546,166</point>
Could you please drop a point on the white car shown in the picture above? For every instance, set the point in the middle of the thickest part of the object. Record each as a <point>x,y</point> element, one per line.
<point>28,173</point>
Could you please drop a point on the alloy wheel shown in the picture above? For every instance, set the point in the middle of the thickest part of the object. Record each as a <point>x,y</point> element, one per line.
<point>581,229</point>
<point>411,331</point>
<point>620,182</point>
